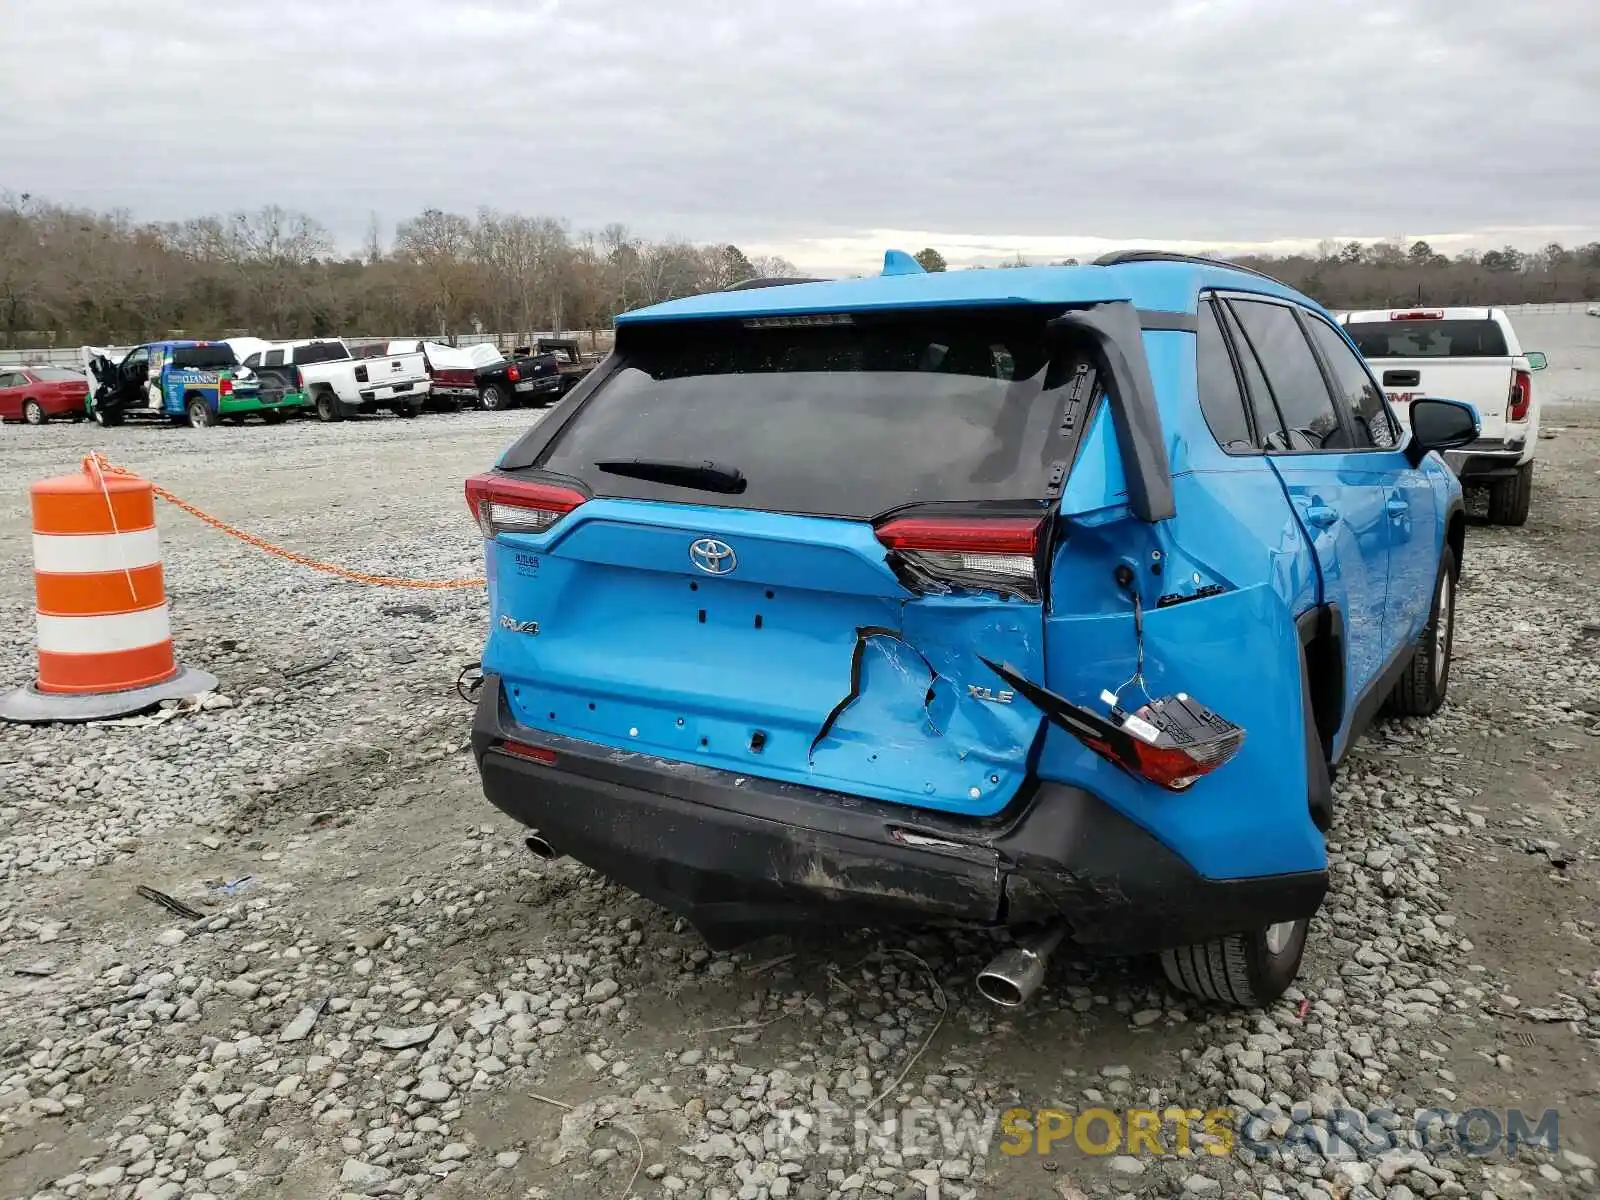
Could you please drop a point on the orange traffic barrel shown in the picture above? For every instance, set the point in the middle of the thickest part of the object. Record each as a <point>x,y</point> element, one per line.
<point>104,642</point>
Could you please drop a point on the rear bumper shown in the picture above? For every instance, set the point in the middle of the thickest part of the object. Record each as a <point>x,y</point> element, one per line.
<point>740,856</point>
<point>1487,459</point>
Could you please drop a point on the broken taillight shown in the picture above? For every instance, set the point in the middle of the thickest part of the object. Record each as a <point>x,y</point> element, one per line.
<point>1170,742</point>
<point>1521,398</point>
<point>975,553</point>
<point>1176,740</point>
<point>503,505</point>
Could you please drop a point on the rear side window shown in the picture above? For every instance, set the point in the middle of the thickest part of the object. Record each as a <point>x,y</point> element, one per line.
<point>1354,388</point>
<point>274,358</point>
<point>835,420</point>
<point>203,358</point>
<point>320,352</point>
<point>1220,398</point>
<point>1273,334</point>
<point>1429,339</point>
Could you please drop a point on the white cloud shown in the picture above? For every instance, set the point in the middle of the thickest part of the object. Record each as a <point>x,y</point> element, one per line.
<point>821,127</point>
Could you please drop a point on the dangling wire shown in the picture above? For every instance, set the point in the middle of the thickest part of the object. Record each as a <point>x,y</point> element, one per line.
<point>1138,663</point>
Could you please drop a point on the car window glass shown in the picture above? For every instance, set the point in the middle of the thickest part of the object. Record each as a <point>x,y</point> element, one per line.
<point>1354,387</point>
<point>254,360</point>
<point>1292,375</point>
<point>1269,426</point>
<point>1220,399</point>
<point>10,379</point>
<point>274,358</point>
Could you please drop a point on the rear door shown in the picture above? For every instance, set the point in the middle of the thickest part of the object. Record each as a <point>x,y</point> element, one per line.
<point>1340,499</point>
<point>779,548</point>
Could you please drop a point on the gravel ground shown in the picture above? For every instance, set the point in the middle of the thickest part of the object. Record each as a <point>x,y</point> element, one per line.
<point>385,995</point>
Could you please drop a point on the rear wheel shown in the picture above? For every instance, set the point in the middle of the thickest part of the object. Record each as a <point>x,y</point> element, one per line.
<point>1421,690</point>
<point>199,413</point>
<point>33,412</point>
<point>493,397</point>
<point>1248,970</point>
<point>408,410</point>
<point>272,417</point>
<point>1509,499</point>
<point>328,408</point>
<point>107,419</point>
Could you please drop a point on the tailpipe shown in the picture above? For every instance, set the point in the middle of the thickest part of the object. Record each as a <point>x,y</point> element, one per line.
<point>540,848</point>
<point>1016,974</point>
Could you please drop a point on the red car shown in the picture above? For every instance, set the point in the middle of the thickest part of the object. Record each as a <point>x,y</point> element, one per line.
<point>35,394</point>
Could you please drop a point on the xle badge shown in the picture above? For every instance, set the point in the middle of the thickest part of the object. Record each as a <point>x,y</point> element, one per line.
<point>512,625</point>
<point>989,695</point>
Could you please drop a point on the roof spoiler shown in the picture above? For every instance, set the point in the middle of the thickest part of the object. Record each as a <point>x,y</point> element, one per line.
<point>1117,344</point>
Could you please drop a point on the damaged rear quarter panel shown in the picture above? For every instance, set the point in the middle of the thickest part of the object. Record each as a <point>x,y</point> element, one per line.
<point>1238,653</point>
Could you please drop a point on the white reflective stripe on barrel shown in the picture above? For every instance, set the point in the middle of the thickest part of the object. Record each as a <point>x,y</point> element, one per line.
<point>91,553</point>
<point>103,635</point>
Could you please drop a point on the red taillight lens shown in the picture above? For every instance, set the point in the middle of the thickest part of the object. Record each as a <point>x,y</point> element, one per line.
<point>975,553</point>
<point>1521,396</point>
<point>1176,740</point>
<point>299,380</point>
<point>513,374</point>
<point>503,505</point>
<point>224,387</point>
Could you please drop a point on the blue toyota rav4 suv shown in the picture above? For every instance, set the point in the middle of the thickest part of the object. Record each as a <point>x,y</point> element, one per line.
<point>1044,599</point>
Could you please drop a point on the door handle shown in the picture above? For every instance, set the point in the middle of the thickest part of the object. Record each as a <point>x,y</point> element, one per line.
<point>1321,515</point>
<point>1398,508</point>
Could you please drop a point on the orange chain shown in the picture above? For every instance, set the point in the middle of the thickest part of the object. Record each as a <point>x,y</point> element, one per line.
<point>97,463</point>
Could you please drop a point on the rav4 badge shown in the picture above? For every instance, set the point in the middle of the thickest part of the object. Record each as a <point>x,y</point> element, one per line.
<point>512,625</point>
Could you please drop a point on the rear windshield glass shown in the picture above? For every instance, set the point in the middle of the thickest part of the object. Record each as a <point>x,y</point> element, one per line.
<point>841,420</point>
<point>320,352</point>
<point>204,358</point>
<point>56,375</point>
<point>1429,339</point>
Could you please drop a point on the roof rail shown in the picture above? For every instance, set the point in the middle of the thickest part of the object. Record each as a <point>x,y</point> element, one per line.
<point>1118,257</point>
<point>773,281</point>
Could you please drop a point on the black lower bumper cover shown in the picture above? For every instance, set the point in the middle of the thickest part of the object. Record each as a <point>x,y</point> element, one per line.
<point>740,857</point>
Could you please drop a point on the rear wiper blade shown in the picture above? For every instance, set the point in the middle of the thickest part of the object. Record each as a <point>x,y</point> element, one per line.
<point>705,476</point>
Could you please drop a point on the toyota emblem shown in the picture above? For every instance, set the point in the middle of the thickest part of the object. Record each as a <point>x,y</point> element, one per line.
<point>712,557</point>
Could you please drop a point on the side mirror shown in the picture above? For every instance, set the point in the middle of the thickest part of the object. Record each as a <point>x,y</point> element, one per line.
<point>1440,425</point>
<point>1536,360</point>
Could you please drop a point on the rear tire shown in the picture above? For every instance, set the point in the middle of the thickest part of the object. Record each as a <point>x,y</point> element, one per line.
<point>199,413</point>
<point>408,410</point>
<point>328,407</point>
<point>493,397</point>
<point>1246,970</point>
<point>1509,499</point>
<point>106,419</point>
<point>273,416</point>
<point>33,413</point>
<point>1421,690</point>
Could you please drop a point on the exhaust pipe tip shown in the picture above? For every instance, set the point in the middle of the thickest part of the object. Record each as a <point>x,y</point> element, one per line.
<point>1018,972</point>
<point>540,848</point>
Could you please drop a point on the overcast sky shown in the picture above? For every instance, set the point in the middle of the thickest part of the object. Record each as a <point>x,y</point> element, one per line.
<point>826,130</point>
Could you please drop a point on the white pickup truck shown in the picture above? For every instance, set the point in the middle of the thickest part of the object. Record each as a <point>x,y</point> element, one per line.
<point>341,385</point>
<point>1467,354</point>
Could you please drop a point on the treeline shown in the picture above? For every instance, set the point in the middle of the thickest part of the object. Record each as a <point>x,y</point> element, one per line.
<point>1381,274</point>
<point>70,275</point>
